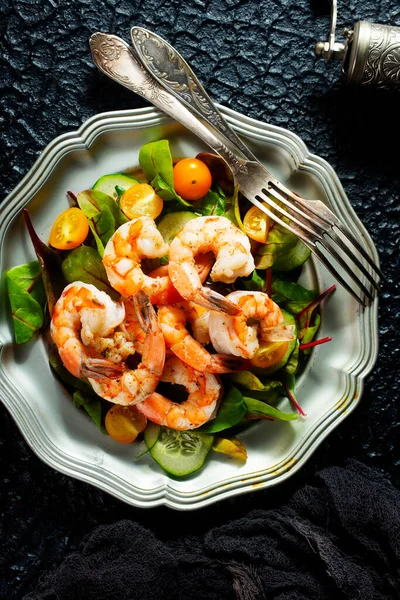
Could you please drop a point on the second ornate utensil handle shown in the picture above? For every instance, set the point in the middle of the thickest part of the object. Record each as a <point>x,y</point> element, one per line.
<point>171,71</point>
<point>113,57</point>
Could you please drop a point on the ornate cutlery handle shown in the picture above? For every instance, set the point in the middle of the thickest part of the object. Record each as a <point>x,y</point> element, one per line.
<point>113,57</point>
<point>171,71</point>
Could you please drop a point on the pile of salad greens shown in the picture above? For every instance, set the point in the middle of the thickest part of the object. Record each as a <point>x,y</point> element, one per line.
<point>249,395</point>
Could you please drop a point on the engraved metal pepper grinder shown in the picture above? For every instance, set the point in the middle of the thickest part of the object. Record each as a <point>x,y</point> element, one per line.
<point>370,54</point>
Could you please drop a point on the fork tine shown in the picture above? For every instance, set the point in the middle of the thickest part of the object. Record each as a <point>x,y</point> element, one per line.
<point>331,221</point>
<point>323,232</point>
<point>336,275</point>
<point>298,230</point>
<point>257,201</point>
<point>333,235</point>
<point>345,231</point>
<point>347,268</point>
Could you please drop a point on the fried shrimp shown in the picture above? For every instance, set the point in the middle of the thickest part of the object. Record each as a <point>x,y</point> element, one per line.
<point>260,318</point>
<point>117,382</point>
<point>132,242</point>
<point>82,317</point>
<point>233,259</point>
<point>201,405</point>
<point>173,325</point>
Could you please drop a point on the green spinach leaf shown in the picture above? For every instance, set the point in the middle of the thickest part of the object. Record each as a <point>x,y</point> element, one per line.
<point>27,299</point>
<point>84,264</point>
<point>50,264</point>
<point>249,381</point>
<point>93,405</point>
<point>259,410</point>
<point>231,411</point>
<point>291,296</point>
<point>283,250</point>
<point>104,215</point>
<point>214,203</point>
<point>156,162</point>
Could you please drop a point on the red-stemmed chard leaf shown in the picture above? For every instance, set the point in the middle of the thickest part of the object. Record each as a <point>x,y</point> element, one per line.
<point>50,263</point>
<point>315,343</point>
<point>294,401</point>
<point>305,316</point>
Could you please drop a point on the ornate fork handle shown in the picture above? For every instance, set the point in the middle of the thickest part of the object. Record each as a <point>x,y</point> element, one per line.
<point>114,57</point>
<point>168,67</point>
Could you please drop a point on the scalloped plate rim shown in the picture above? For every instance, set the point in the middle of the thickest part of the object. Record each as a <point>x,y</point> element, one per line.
<point>165,494</point>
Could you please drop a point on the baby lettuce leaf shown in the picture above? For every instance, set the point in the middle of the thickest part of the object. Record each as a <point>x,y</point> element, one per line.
<point>27,299</point>
<point>213,203</point>
<point>293,362</point>
<point>260,410</point>
<point>231,411</point>
<point>233,448</point>
<point>156,162</point>
<point>93,405</point>
<point>290,389</point>
<point>255,283</point>
<point>291,296</point>
<point>50,263</point>
<point>283,250</point>
<point>233,213</point>
<point>270,396</point>
<point>249,381</point>
<point>308,334</point>
<point>104,215</point>
<point>84,264</point>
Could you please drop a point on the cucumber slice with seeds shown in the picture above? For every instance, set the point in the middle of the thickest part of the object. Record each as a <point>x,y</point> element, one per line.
<point>171,224</point>
<point>107,183</point>
<point>179,452</point>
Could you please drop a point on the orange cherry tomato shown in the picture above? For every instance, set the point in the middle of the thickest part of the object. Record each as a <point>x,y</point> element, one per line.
<point>192,178</point>
<point>256,224</point>
<point>268,354</point>
<point>69,230</point>
<point>124,423</point>
<point>140,200</point>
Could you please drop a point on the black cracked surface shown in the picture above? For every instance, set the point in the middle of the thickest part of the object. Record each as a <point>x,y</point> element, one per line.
<point>257,58</point>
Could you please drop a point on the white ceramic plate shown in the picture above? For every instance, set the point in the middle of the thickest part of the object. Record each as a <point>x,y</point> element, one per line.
<point>64,437</point>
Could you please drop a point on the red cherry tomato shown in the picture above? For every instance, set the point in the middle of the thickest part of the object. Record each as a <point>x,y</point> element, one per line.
<point>192,178</point>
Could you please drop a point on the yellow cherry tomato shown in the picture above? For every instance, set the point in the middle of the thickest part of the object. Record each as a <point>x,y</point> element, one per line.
<point>140,200</point>
<point>192,178</point>
<point>268,354</point>
<point>70,229</point>
<point>124,423</point>
<point>256,224</point>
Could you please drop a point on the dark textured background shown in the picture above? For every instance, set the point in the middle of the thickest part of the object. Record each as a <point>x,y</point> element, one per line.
<point>255,57</point>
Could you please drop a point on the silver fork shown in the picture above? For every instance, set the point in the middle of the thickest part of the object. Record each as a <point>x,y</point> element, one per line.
<point>311,221</point>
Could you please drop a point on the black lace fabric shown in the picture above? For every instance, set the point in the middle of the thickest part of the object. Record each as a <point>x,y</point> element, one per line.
<point>330,530</point>
<point>336,538</point>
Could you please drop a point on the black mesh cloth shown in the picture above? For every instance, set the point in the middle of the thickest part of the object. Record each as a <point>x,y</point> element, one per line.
<point>338,538</point>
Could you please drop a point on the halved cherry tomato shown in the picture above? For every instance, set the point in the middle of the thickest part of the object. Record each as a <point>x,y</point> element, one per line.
<point>124,423</point>
<point>140,200</point>
<point>268,354</point>
<point>256,224</point>
<point>192,178</point>
<point>69,230</point>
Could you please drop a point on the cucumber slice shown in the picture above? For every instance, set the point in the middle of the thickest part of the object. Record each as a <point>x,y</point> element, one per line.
<point>180,453</point>
<point>171,224</point>
<point>151,434</point>
<point>107,183</point>
<point>288,319</point>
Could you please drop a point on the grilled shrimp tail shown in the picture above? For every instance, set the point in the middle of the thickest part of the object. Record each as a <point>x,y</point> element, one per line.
<point>214,301</point>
